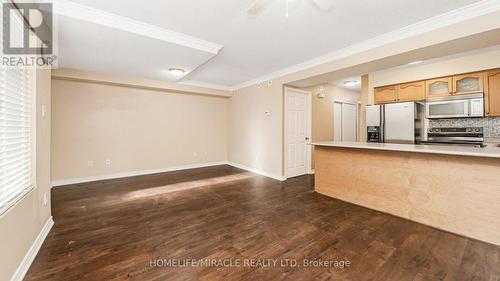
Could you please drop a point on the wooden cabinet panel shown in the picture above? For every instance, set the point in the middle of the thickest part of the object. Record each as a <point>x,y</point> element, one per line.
<point>468,83</point>
<point>385,181</point>
<point>411,91</point>
<point>386,94</point>
<point>493,93</point>
<point>454,85</point>
<point>438,87</point>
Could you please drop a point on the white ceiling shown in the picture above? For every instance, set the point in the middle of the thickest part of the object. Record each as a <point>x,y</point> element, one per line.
<point>93,47</point>
<point>252,46</point>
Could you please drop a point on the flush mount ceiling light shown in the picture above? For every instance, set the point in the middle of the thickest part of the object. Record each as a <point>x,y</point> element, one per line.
<point>351,83</point>
<point>416,62</point>
<point>177,72</point>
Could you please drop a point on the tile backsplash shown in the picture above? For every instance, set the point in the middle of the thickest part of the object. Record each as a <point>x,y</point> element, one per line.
<point>491,125</point>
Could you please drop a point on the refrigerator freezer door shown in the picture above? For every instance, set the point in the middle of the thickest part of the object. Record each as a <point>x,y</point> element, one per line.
<point>373,115</point>
<point>400,122</point>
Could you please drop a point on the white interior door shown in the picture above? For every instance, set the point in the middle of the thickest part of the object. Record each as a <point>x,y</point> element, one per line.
<point>337,121</point>
<point>349,122</point>
<point>345,121</point>
<point>297,112</point>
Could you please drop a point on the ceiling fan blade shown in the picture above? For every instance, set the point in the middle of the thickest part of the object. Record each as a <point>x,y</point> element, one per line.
<point>257,6</point>
<point>324,5</point>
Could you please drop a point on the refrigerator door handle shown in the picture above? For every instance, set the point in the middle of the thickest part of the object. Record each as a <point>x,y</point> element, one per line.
<point>382,123</point>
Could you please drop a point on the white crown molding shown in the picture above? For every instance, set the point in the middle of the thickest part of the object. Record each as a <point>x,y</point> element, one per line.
<point>81,12</point>
<point>452,17</point>
<point>206,85</point>
<point>28,259</point>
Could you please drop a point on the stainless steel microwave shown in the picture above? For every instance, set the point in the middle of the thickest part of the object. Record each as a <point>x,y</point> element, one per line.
<point>459,106</point>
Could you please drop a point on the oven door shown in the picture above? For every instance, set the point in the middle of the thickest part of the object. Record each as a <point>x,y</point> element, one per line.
<point>448,109</point>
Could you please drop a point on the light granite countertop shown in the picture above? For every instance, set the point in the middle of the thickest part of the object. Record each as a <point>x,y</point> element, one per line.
<point>490,151</point>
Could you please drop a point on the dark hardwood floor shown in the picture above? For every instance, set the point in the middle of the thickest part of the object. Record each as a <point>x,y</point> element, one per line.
<point>119,229</point>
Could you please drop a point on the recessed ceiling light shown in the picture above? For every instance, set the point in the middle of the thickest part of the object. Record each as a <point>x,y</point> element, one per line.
<point>177,72</point>
<point>351,83</point>
<point>416,62</point>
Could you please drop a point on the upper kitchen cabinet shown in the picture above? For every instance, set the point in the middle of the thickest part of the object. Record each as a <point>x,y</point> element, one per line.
<point>468,83</point>
<point>492,93</point>
<point>411,91</point>
<point>386,94</point>
<point>438,87</point>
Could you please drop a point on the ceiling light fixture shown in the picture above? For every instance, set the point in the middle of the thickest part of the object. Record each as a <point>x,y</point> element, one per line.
<point>177,72</point>
<point>416,62</point>
<point>351,83</point>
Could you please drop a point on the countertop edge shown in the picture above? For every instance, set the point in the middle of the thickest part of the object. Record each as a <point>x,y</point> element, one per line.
<point>412,149</point>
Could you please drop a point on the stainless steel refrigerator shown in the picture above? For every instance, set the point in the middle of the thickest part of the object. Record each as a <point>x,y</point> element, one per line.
<point>396,122</point>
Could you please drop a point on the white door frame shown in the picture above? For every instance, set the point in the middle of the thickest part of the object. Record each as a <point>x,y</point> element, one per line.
<point>309,130</point>
<point>357,113</point>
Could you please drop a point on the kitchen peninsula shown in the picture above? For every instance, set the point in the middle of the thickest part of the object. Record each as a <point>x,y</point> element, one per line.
<point>456,189</point>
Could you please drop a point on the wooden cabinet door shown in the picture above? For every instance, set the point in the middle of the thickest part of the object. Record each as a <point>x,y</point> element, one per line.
<point>438,87</point>
<point>411,91</point>
<point>386,94</point>
<point>493,93</point>
<point>468,83</point>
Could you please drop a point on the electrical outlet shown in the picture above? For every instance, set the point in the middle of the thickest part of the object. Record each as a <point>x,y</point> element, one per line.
<point>90,163</point>
<point>44,110</point>
<point>108,161</point>
<point>206,153</point>
<point>195,154</point>
<point>45,199</point>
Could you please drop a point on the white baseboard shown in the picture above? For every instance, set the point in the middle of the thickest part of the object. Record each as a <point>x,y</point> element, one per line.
<point>135,173</point>
<point>164,170</point>
<point>311,172</point>
<point>257,171</point>
<point>32,252</point>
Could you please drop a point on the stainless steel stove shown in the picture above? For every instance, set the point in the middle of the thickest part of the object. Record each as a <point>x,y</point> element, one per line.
<point>458,136</point>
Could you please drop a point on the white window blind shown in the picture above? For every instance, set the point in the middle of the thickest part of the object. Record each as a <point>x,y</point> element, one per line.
<point>15,119</point>
<point>15,134</point>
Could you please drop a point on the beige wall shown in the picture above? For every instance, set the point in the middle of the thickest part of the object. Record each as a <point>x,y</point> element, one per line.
<point>255,138</point>
<point>22,223</point>
<point>474,61</point>
<point>137,129</point>
<point>364,100</point>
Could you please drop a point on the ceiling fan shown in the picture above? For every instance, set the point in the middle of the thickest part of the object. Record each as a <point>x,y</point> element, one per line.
<point>258,5</point>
